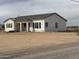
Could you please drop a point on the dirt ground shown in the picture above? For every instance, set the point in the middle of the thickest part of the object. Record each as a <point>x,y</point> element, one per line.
<point>24,40</point>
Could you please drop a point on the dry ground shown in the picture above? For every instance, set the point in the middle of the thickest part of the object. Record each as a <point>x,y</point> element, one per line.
<point>24,40</point>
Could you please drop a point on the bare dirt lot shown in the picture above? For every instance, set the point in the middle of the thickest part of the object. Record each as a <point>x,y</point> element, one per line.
<point>24,40</point>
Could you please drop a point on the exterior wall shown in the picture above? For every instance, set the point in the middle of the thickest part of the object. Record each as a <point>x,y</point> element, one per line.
<point>51,24</point>
<point>19,26</point>
<point>42,29</point>
<point>9,29</point>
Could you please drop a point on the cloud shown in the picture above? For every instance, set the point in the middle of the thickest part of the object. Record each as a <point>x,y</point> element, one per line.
<point>75,1</point>
<point>2,2</point>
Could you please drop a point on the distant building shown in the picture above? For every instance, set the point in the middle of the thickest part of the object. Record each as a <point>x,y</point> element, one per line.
<point>72,28</point>
<point>51,22</point>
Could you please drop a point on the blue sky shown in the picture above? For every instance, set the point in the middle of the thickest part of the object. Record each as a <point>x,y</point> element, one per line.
<point>66,8</point>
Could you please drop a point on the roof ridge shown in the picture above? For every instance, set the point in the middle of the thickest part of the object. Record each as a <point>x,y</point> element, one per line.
<point>37,14</point>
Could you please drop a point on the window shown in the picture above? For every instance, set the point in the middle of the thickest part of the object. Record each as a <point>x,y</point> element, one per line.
<point>46,24</point>
<point>9,25</point>
<point>36,25</point>
<point>56,25</point>
<point>39,25</point>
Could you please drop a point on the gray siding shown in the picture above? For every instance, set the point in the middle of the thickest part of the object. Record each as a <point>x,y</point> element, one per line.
<point>51,23</point>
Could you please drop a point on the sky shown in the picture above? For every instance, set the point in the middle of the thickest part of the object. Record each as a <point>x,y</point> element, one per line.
<point>69,9</point>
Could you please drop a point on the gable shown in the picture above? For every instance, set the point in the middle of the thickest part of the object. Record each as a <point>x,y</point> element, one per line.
<point>55,18</point>
<point>61,17</point>
<point>9,21</point>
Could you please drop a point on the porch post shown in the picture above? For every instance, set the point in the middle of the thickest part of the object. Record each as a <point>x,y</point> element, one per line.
<point>20,27</point>
<point>27,28</point>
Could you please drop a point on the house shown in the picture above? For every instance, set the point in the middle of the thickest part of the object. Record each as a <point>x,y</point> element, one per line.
<point>50,22</point>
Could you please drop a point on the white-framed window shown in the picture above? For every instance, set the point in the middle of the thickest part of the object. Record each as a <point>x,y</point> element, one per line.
<point>37,25</point>
<point>9,25</point>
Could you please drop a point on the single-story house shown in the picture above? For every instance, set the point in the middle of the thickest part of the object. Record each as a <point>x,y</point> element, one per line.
<point>50,22</point>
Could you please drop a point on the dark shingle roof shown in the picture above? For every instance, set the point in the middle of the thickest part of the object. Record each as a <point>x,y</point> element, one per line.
<point>35,17</point>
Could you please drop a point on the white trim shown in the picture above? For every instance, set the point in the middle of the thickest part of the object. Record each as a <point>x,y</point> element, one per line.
<point>20,26</point>
<point>27,27</point>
